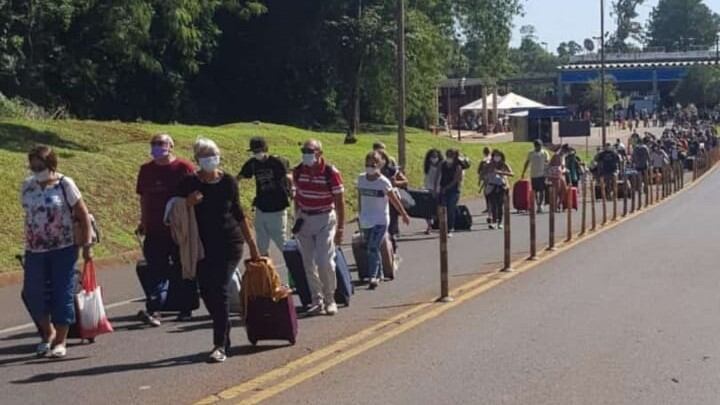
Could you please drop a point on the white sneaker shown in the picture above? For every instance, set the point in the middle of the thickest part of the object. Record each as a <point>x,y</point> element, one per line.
<point>217,355</point>
<point>58,352</point>
<point>331,309</point>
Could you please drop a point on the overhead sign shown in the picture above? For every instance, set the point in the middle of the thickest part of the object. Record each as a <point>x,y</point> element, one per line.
<point>574,129</point>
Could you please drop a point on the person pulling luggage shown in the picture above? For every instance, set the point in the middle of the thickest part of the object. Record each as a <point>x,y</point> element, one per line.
<point>223,230</point>
<point>273,184</point>
<point>392,172</point>
<point>451,178</point>
<point>497,184</point>
<point>157,183</point>
<point>376,194</point>
<point>53,208</point>
<point>431,168</point>
<point>320,222</point>
<point>537,160</point>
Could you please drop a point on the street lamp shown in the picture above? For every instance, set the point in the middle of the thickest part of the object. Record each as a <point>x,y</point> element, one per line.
<point>461,91</point>
<point>400,15</point>
<point>602,72</point>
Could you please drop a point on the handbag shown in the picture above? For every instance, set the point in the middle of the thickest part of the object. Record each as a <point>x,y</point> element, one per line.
<point>77,227</point>
<point>91,316</point>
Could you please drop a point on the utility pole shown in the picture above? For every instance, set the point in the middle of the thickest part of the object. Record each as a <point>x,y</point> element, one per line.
<point>603,105</point>
<point>401,81</point>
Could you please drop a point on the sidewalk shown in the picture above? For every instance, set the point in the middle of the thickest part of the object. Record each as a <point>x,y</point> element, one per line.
<point>138,356</point>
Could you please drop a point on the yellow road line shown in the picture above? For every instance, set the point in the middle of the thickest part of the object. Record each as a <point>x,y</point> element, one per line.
<point>348,347</point>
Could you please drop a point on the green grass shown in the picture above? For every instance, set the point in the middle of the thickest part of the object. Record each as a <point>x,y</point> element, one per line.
<point>103,158</point>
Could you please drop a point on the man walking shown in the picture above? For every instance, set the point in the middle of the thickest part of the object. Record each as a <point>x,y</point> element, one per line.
<point>320,220</point>
<point>156,183</point>
<point>537,160</point>
<point>272,194</point>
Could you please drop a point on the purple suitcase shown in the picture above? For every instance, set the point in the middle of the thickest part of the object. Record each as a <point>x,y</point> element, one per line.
<point>270,320</point>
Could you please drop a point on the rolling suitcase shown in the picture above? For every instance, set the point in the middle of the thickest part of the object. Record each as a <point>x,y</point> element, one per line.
<point>521,195</point>
<point>425,204</point>
<point>574,196</point>
<point>345,287</point>
<point>296,268</point>
<point>360,255</point>
<point>387,255</point>
<point>463,218</point>
<point>270,320</point>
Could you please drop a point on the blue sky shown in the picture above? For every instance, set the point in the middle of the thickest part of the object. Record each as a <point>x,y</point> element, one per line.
<point>558,21</point>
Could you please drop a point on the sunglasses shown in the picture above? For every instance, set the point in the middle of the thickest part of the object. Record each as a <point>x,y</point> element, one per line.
<point>308,150</point>
<point>158,143</point>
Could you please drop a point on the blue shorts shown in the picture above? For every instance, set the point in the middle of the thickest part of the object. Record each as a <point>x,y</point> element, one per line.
<point>49,285</point>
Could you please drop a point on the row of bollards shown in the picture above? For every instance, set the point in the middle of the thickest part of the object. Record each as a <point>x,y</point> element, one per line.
<point>645,188</point>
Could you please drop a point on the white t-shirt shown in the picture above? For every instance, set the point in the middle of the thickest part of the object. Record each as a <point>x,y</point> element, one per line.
<point>538,163</point>
<point>374,201</point>
<point>48,214</point>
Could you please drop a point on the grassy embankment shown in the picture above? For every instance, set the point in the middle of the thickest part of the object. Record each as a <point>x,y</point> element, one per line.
<point>103,158</point>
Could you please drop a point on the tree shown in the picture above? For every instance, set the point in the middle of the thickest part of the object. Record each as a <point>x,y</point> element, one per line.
<point>567,49</point>
<point>678,24</point>
<point>701,86</point>
<point>487,27</point>
<point>592,100</point>
<point>625,12</point>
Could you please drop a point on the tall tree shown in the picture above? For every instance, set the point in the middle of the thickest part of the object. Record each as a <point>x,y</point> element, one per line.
<point>678,24</point>
<point>625,13</point>
<point>701,86</point>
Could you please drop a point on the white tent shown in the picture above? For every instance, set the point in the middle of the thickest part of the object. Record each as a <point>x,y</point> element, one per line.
<point>510,101</point>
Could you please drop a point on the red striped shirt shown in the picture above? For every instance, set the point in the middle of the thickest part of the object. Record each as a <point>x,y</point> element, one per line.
<point>316,189</point>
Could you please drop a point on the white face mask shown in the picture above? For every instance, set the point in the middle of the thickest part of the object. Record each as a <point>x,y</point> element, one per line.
<point>450,160</point>
<point>309,159</point>
<point>259,156</point>
<point>210,163</point>
<point>434,160</point>
<point>496,159</point>
<point>42,176</point>
<point>372,171</point>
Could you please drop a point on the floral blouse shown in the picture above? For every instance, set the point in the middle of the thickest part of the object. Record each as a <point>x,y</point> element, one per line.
<point>48,218</point>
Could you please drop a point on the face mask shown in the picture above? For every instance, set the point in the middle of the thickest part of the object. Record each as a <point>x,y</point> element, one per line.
<point>259,156</point>
<point>210,163</point>
<point>450,160</point>
<point>372,170</point>
<point>434,160</point>
<point>496,159</point>
<point>42,176</point>
<point>308,159</point>
<point>158,152</point>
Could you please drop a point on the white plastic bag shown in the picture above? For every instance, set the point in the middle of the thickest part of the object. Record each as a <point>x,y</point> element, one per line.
<point>91,315</point>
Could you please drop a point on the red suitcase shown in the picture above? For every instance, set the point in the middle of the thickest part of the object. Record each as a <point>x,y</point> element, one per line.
<point>270,320</point>
<point>521,195</point>
<point>574,196</point>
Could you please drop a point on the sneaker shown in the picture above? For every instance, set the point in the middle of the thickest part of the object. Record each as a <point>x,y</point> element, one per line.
<point>450,235</point>
<point>500,226</point>
<point>316,309</point>
<point>58,352</point>
<point>374,283</point>
<point>217,355</point>
<point>42,349</point>
<point>184,317</point>
<point>150,319</point>
<point>492,226</point>
<point>539,210</point>
<point>331,309</point>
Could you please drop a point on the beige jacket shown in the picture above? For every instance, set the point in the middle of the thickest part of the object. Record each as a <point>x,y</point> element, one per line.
<point>184,230</point>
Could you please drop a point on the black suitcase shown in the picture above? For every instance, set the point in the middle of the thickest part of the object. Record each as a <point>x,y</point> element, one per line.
<point>425,204</point>
<point>463,218</point>
<point>296,268</point>
<point>182,295</point>
<point>345,287</point>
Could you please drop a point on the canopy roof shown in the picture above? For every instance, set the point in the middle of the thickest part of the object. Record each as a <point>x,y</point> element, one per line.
<point>510,101</point>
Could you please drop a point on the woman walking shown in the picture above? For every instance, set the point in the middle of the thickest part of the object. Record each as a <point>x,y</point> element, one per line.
<point>223,229</point>
<point>451,177</point>
<point>431,168</point>
<point>496,187</point>
<point>56,224</point>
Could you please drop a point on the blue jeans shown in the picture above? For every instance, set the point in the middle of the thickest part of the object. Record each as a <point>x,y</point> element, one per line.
<point>373,238</point>
<point>49,285</point>
<point>450,201</point>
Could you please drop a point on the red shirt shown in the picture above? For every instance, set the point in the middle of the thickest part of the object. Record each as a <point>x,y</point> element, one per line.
<point>317,186</point>
<point>156,184</point>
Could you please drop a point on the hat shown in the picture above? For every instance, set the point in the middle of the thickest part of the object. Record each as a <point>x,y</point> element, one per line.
<point>257,143</point>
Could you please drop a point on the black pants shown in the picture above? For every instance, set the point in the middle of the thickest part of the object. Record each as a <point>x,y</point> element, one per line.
<point>214,274</point>
<point>497,199</point>
<point>159,251</point>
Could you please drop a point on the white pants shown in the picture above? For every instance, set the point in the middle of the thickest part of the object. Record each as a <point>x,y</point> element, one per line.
<point>317,247</point>
<point>271,226</point>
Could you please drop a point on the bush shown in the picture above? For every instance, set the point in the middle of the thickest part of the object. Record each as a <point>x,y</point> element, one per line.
<point>17,107</point>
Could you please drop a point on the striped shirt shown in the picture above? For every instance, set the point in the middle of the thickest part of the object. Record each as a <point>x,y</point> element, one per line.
<point>316,186</point>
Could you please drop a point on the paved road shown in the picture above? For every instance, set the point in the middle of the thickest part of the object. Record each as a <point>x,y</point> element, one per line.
<point>629,317</point>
